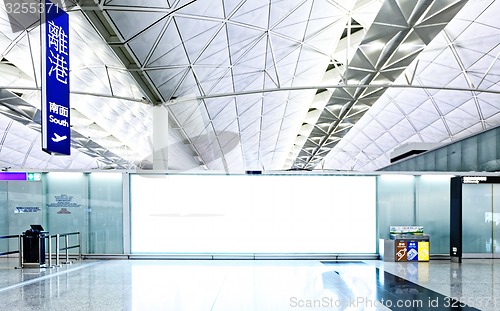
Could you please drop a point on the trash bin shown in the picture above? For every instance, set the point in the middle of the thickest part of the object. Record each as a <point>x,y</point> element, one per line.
<point>34,246</point>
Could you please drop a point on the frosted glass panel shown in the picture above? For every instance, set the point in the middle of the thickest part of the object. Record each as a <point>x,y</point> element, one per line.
<point>25,205</point>
<point>433,210</point>
<point>4,224</point>
<point>396,202</point>
<point>106,213</point>
<point>487,146</point>
<point>476,213</point>
<point>20,206</point>
<point>495,219</point>
<point>469,154</point>
<point>253,214</point>
<point>67,206</point>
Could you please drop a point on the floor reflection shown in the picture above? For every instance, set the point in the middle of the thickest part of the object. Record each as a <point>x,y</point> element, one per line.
<point>253,285</point>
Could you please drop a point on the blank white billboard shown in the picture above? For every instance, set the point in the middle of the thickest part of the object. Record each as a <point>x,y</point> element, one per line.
<point>216,214</point>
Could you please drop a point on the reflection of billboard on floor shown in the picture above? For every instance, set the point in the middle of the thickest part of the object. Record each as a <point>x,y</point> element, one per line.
<point>252,214</point>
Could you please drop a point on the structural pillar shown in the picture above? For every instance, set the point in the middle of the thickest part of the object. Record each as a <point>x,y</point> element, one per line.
<point>456,219</point>
<point>160,138</point>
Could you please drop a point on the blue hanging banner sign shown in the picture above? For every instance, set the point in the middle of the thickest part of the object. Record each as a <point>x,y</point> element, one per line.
<point>55,80</point>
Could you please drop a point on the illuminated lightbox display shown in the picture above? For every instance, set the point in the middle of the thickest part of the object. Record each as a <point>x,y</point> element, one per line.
<point>20,176</point>
<point>253,214</point>
<point>56,129</point>
<point>12,176</point>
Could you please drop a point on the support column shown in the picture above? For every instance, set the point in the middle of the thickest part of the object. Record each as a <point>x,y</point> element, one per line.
<point>456,219</point>
<point>160,138</point>
<point>126,214</point>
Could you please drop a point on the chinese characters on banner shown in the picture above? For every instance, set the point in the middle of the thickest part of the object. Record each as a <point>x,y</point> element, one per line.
<point>55,80</point>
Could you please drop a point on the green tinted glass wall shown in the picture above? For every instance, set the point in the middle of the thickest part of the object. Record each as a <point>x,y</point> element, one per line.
<point>477,231</point>
<point>66,199</point>
<point>90,204</point>
<point>24,207</point>
<point>495,219</point>
<point>4,225</point>
<point>479,153</point>
<point>481,218</point>
<point>105,213</point>
<point>416,200</point>
<point>433,210</point>
<point>395,202</point>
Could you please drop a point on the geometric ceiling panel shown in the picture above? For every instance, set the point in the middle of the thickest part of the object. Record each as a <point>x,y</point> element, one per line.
<point>388,48</point>
<point>257,85</point>
<point>462,61</point>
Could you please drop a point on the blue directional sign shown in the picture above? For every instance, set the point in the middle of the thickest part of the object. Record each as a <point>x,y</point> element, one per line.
<point>55,80</point>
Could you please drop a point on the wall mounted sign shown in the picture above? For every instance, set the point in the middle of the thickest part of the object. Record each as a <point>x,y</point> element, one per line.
<point>20,176</point>
<point>63,202</point>
<point>26,209</point>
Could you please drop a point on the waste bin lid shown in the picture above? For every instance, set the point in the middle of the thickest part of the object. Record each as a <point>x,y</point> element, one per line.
<point>36,227</point>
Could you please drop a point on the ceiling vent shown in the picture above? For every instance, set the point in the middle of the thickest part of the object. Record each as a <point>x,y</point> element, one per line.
<point>410,149</point>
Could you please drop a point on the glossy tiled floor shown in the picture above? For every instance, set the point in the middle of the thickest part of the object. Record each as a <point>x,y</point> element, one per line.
<point>257,285</point>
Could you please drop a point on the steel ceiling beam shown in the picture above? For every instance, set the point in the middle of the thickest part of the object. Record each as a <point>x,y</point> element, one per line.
<point>401,30</point>
<point>97,16</point>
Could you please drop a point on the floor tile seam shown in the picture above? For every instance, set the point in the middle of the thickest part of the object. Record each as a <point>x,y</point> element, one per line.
<point>219,291</point>
<point>46,277</point>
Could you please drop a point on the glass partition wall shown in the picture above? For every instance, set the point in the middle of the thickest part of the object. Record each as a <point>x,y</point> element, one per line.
<point>66,202</point>
<point>20,206</point>
<point>246,214</point>
<point>481,220</point>
<point>416,200</point>
<point>4,214</point>
<point>105,224</point>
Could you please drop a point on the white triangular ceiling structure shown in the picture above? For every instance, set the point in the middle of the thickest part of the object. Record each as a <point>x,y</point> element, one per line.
<point>256,85</point>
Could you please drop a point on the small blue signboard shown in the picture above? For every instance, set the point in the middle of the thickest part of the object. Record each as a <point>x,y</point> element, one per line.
<point>55,80</point>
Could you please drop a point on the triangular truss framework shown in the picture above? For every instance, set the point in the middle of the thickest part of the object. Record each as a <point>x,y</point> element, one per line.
<point>260,85</point>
